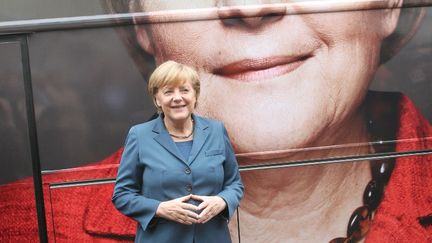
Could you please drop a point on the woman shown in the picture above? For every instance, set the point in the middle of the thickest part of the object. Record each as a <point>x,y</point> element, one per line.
<point>178,176</point>
<point>284,93</point>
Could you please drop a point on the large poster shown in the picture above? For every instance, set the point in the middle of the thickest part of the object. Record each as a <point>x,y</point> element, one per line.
<point>322,102</point>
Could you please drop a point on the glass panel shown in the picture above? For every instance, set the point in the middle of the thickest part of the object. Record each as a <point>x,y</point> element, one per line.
<point>18,218</point>
<point>15,159</point>
<point>289,88</point>
<point>85,98</point>
<point>86,105</point>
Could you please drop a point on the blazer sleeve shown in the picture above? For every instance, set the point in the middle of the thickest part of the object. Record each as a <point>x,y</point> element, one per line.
<point>127,196</point>
<point>232,191</point>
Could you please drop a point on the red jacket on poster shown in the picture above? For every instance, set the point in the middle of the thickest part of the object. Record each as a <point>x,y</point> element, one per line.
<point>86,214</point>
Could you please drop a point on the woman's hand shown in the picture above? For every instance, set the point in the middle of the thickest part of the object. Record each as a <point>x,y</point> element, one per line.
<point>210,206</point>
<point>179,211</point>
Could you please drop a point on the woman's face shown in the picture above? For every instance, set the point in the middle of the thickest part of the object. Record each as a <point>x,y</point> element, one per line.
<point>277,82</point>
<point>177,102</point>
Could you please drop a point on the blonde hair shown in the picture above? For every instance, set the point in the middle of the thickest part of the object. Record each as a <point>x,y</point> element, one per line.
<point>171,73</point>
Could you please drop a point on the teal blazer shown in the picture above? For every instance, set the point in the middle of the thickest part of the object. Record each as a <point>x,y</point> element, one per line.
<point>153,170</point>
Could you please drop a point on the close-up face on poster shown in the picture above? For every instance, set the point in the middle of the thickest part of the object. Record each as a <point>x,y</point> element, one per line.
<point>326,104</point>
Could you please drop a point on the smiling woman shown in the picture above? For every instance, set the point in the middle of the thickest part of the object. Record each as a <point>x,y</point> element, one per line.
<point>191,157</point>
<point>175,90</point>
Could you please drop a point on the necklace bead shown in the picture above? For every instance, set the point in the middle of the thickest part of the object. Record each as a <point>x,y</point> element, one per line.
<point>373,194</point>
<point>359,223</point>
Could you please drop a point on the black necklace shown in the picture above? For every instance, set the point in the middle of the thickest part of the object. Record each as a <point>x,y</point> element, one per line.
<point>181,137</point>
<point>361,219</point>
<point>381,111</point>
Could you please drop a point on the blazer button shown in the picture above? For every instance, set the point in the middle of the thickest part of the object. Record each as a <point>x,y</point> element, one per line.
<point>187,171</point>
<point>189,188</point>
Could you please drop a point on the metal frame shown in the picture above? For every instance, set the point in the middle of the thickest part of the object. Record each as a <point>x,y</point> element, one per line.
<point>263,166</point>
<point>111,20</point>
<point>22,39</point>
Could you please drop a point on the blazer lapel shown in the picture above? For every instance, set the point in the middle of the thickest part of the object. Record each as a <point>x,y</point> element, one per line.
<point>164,139</point>
<point>201,133</point>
